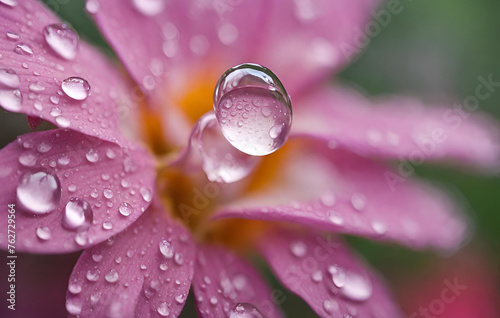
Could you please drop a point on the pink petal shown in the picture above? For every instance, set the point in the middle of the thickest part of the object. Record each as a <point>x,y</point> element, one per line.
<point>305,41</point>
<point>113,182</point>
<point>344,193</point>
<point>145,271</point>
<point>398,127</point>
<point>183,39</point>
<point>331,280</point>
<point>222,280</point>
<point>41,73</point>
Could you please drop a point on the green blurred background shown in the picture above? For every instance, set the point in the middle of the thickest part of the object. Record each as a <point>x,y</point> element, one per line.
<point>431,50</point>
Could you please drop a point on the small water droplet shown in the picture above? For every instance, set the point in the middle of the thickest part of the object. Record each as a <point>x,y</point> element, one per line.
<point>328,199</point>
<point>93,274</point>
<point>107,225</point>
<point>62,40</point>
<point>125,209</point>
<point>43,233</point>
<point>76,88</point>
<point>44,147</point>
<point>78,214</point>
<point>162,309</point>
<point>110,153</point>
<point>92,6</point>
<point>180,298</point>
<point>298,248</point>
<point>179,258</point>
<point>12,36</point>
<point>317,276</point>
<point>39,191</point>
<point>36,87</point>
<point>166,248</point>
<point>54,99</point>
<point>92,156</point>
<point>111,276</point>
<point>358,201</point>
<point>146,194</point>
<point>96,257</point>
<point>338,275</point>
<point>108,193</point>
<point>9,78</point>
<point>28,158</point>
<point>74,288</point>
<point>261,133</point>
<point>63,122</point>
<point>330,305</point>
<point>245,310</point>
<point>73,307</point>
<point>11,100</point>
<point>379,227</point>
<point>23,49</point>
<point>149,7</point>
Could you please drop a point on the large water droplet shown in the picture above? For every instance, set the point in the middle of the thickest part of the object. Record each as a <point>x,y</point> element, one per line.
<point>357,287</point>
<point>76,88</point>
<point>10,3</point>
<point>39,191</point>
<point>245,310</point>
<point>11,100</point>
<point>9,78</point>
<point>149,7</point>
<point>62,40</point>
<point>78,214</point>
<point>220,160</point>
<point>255,98</point>
<point>73,307</point>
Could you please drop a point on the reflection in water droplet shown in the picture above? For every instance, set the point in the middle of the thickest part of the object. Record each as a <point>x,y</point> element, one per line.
<point>338,275</point>
<point>62,40</point>
<point>220,160</point>
<point>39,191</point>
<point>357,287</point>
<point>149,7</point>
<point>76,88</point>
<point>78,214</point>
<point>9,78</point>
<point>245,310</point>
<point>259,102</point>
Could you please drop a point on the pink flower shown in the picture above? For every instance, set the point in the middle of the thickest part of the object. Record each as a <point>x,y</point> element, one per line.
<point>148,234</point>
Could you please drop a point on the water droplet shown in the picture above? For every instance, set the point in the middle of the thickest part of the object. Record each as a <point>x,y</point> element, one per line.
<point>10,3</point>
<point>317,276</point>
<point>298,248</point>
<point>108,193</point>
<point>125,209</point>
<point>180,298</point>
<point>330,305</point>
<point>11,100</point>
<point>220,160</point>
<point>357,287</point>
<point>92,156</point>
<point>358,201</point>
<point>12,36</point>
<point>93,274</point>
<point>78,215</point>
<point>92,6</point>
<point>96,257</point>
<point>179,259</point>
<point>110,153</point>
<point>149,7</point>
<point>338,275</point>
<point>23,49</point>
<point>44,147</point>
<point>162,309</point>
<point>9,78</point>
<point>166,248</point>
<point>43,233</point>
<point>379,227</point>
<point>111,276</point>
<point>335,218</point>
<point>28,158</point>
<point>63,122</point>
<point>54,99</point>
<point>107,225</point>
<point>146,194</point>
<point>245,310</point>
<point>73,307</point>
<point>227,33</point>
<point>36,87</point>
<point>74,288</point>
<point>39,191</point>
<point>76,88</point>
<point>213,301</point>
<point>62,40</point>
<point>328,199</point>
<point>249,85</point>
<point>56,111</point>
